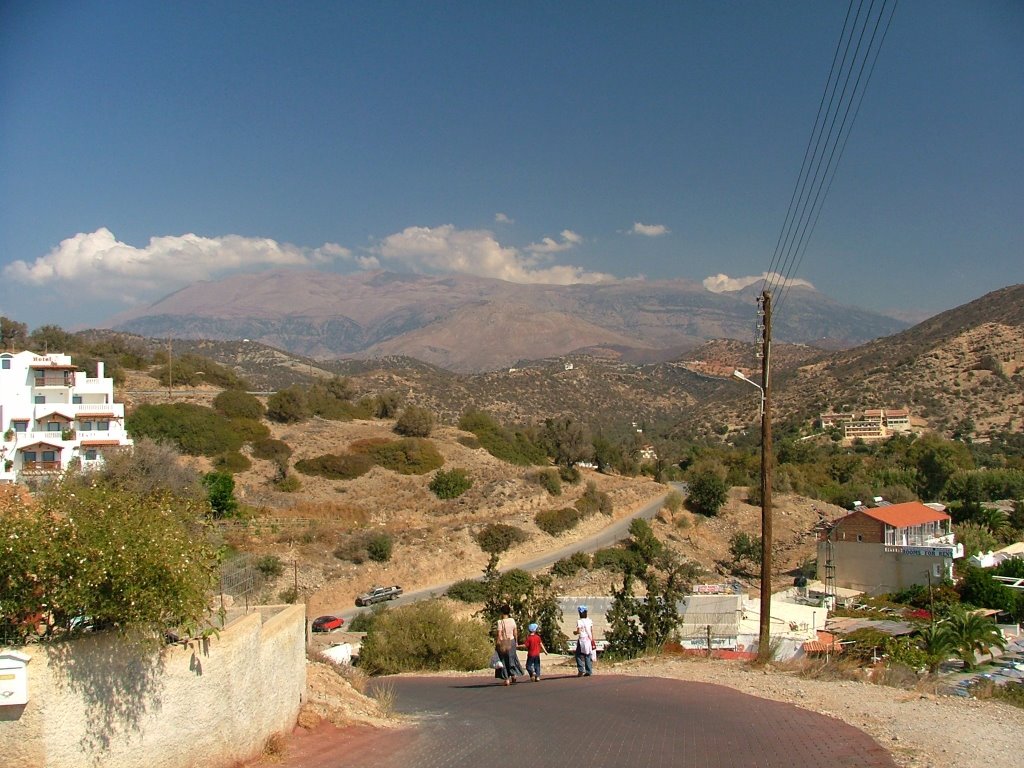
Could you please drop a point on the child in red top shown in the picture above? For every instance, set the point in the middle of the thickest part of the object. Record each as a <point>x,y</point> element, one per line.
<point>534,648</point>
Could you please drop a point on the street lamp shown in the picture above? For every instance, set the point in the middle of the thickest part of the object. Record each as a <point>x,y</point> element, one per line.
<point>738,374</point>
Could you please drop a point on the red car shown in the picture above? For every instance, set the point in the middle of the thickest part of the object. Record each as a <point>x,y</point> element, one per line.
<point>327,623</point>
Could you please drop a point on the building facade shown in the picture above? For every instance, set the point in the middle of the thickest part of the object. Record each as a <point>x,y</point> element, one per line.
<point>888,548</point>
<point>54,415</point>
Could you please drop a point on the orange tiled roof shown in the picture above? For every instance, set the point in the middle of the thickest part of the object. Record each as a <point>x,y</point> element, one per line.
<point>99,443</point>
<point>826,643</point>
<point>906,514</point>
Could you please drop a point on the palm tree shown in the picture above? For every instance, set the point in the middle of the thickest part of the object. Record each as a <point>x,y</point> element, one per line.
<point>938,644</point>
<point>973,633</point>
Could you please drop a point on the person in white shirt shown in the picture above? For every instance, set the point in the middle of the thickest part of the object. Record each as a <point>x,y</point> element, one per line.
<point>586,651</point>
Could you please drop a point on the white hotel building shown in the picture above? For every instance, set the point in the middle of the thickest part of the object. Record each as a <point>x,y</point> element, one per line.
<point>53,414</point>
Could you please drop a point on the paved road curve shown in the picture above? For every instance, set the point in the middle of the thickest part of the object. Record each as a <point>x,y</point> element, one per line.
<point>605,721</point>
<point>604,538</point>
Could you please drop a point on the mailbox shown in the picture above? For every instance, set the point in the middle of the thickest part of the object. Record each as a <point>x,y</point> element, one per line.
<point>13,678</point>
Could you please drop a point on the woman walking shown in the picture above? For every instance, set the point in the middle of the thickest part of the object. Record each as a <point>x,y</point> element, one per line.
<point>505,646</point>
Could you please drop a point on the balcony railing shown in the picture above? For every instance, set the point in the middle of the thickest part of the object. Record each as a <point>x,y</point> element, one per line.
<point>41,466</point>
<point>52,381</point>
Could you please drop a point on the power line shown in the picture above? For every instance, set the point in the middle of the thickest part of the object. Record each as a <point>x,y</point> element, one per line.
<point>829,136</point>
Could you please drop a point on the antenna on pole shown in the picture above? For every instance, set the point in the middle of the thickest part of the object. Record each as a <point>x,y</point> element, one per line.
<point>764,636</point>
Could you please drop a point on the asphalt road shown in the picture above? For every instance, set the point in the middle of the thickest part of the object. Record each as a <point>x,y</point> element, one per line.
<point>605,721</point>
<point>617,531</point>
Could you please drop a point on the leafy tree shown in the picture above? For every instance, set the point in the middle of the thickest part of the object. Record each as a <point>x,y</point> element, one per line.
<point>13,334</point>
<point>568,441</point>
<point>674,501</point>
<point>386,405</point>
<point>52,338</point>
<point>708,490</point>
<point>571,565</point>
<point>936,461</point>
<point>341,388</point>
<point>415,421</point>
<point>593,501</point>
<point>607,455</point>
<point>975,538</point>
<point>556,521</point>
<point>468,591</point>
<point>530,598</point>
<point>271,449</point>
<point>288,406</point>
<point>743,546</point>
<point>515,447</point>
<point>148,468</point>
<point>450,484</point>
<point>220,487</point>
<point>548,479</point>
<point>136,563</point>
<point>938,644</point>
<point>236,403</point>
<point>973,633</point>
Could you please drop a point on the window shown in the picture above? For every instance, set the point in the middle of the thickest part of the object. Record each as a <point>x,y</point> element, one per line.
<point>29,456</point>
<point>20,426</point>
<point>76,399</point>
<point>102,426</point>
<point>86,426</point>
<point>39,399</point>
<point>91,454</point>
<point>53,426</point>
<point>5,363</point>
<point>49,455</point>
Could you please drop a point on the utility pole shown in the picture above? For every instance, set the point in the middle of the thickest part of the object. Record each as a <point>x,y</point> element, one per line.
<point>169,374</point>
<point>764,637</point>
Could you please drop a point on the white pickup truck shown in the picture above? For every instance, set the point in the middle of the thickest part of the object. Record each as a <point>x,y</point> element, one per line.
<point>378,595</point>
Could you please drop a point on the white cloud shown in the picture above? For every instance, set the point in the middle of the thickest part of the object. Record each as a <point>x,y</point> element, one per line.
<point>501,218</point>
<point>97,263</point>
<point>477,252</point>
<point>549,245</point>
<point>649,230</point>
<point>720,283</point>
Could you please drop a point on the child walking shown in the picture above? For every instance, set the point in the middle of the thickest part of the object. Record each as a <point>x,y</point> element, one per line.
<point>534,648</point>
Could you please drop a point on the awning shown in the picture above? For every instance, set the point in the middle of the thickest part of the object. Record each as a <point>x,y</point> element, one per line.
<point>99,443</point>
<point>88,416</point>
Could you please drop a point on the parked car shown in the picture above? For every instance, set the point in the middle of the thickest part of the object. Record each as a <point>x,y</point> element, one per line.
<point>378,595</point>
<point>327,623</point>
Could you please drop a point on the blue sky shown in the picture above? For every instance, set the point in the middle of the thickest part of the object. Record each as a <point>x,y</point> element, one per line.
<point>144,146</point>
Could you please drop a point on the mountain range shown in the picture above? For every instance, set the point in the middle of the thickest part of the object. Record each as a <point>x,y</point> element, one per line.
<point>472,324</point>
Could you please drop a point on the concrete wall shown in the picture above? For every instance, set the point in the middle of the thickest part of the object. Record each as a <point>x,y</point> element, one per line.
<point>870,569</point>
<point>97,702</point>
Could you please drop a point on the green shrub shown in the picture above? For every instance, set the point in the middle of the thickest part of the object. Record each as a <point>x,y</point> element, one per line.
<point>288,406</point>
<point>547,479</point>
<point>288,484</point>
<point>424,636</point>
<point>570,475</point>
<point>515,447</point>
<point>378,547</point>
<point>450,484</point>
<point>193,429</point>
<point>409,456</point>
<point>415,421</point>
<point>593,501</point>
<point>571,565</point>
<point>708,490</point>
<point>347,466</point>
<point>270,566</point>
<point>220,489</point>
<point>495,538</point>
<point>237,404</point>
<point>556,521</point>
<point>193,370</point>
<point>289,596</point>
<point>674,501</point>
<point>364,620</point>
<point>353,549</point>
<point>270,449</point>
<point>468,591</point>
<point>232,462</point>
<point>250,430</point>
<point>618,560</point>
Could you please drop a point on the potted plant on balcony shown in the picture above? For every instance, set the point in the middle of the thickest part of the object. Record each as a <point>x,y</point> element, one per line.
<point>8,465</point>
<point>9,434</point>
<point>67,434</point>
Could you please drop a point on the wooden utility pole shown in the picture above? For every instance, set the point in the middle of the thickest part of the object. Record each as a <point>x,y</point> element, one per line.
<point>764,637</point>
<point>170,378</point>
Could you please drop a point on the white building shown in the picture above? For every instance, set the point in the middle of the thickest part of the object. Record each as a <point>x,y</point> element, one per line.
<point>53,414</point>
